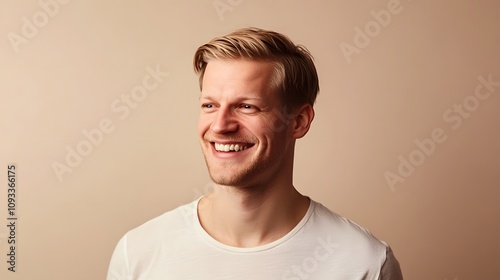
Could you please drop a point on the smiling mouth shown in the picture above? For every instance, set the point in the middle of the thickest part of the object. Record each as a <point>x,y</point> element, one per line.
<point>228,148</point>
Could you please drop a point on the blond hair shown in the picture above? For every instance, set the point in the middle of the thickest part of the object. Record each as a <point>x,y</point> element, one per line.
<point>296,79</point>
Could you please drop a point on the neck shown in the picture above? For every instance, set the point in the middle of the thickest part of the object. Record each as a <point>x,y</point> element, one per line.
<point>251,216</point>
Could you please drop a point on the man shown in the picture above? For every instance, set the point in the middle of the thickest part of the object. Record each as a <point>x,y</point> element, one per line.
<point>257,95</point>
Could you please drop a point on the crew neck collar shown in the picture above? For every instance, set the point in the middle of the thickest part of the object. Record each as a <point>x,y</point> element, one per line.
<point>207,237</point>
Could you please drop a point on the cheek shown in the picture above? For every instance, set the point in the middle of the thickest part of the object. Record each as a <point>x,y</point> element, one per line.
<point>272,127</point>
<point>203,124</point>
<point>267,131</point>
<point>276,131</point>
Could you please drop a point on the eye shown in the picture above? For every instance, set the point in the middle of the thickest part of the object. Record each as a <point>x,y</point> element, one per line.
<point>249,108</point>
<point>207,107</point>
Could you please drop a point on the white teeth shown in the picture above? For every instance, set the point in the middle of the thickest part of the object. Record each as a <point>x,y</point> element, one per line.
<point>229,147</point>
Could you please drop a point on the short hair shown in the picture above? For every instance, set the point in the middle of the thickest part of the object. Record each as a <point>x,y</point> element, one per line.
<point>295,79</point>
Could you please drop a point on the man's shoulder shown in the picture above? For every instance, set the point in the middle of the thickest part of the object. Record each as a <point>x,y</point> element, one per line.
<point>168,223</point>
<point>351,245</point>
<point>157,239</point>
<point>344,230</point>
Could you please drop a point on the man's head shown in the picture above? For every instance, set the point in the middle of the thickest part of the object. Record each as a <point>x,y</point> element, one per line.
<point>257,96</point>
<point>295,78</point>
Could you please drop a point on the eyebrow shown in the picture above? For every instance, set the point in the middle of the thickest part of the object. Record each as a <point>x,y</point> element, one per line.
<point>209,97</point>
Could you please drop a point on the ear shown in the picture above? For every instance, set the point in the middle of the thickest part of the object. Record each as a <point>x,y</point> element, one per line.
<point>302,121</point>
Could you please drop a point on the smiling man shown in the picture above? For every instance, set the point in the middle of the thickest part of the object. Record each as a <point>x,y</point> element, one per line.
<point>257,95</point>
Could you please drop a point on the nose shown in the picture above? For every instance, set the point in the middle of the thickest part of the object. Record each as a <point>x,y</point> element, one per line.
<point>224,121</point>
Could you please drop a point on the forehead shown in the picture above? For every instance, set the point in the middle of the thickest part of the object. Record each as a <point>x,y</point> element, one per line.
<point>237,76</point>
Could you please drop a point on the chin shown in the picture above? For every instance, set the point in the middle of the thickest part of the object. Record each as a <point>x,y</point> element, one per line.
<point>225,180</point>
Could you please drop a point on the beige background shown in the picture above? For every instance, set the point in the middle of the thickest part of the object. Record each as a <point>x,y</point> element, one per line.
<point>442,221</point>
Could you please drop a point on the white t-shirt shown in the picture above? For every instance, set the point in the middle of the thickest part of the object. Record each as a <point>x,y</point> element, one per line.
<point>323,245</point>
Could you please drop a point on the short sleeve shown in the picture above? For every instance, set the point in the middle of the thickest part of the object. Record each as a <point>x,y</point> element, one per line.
<point>118,266</point>
<point>391,269</point>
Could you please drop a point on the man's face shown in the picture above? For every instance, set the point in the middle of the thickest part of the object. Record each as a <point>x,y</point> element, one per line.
<point>241,126</point>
